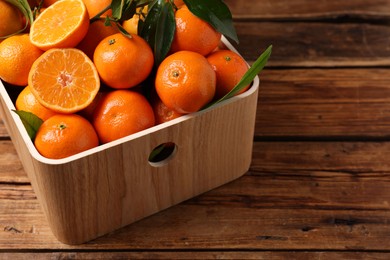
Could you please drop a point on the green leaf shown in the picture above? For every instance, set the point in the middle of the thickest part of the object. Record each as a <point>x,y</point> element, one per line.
<point>117,7</point>
<point>165,31</point>
<point>30,121</point>
<point>24,7</point>
<point>256,68</point>
<point>216,13</point>
<point>149,27</point>
<point>144,2</point>
<point>128,11</point>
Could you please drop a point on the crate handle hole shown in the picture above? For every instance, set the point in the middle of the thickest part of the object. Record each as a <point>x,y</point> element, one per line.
<point>162,154</point>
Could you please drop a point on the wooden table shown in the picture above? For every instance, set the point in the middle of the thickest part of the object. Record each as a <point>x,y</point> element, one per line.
<point>319,183</point>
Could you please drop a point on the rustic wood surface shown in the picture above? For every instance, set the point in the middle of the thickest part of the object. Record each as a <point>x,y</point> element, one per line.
<point>319,183</point>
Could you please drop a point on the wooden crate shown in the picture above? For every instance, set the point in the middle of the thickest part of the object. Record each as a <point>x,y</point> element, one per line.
<point>103,189</point>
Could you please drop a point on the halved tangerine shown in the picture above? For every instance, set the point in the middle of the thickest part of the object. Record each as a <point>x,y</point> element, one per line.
<point>64,80</point>
<point>62,25</point>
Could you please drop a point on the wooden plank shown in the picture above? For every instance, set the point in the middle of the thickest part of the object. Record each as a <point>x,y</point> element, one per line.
<point>11,169</point>
<point>338,161</point>
<point>309,10</point>
<point>275,255</point>
<point>297,196</point>
<point>218,226</point>
<point>315,43</point>
<point>324,103</point>
<point>3,131</point>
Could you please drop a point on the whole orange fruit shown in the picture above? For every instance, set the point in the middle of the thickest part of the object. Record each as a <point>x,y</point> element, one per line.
<point>185,81</point>
<point>162,113</point>
<point>96,6</point>
<point>193,34</point>
<point>121,113</point>
<point>229,68</point>
<point>17,55</point>
<point>61,136</point>
<point>96,33</point>
<point>11,19</point>
<point>26,101</point>
<point>123,62</point>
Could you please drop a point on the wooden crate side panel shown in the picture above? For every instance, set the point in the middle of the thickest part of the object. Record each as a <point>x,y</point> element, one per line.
<point>96,194</point>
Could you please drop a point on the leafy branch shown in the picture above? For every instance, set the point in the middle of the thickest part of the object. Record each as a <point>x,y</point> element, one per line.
<point>122,10</point>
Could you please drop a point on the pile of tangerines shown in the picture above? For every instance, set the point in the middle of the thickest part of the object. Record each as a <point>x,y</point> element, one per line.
<point>85,80</point>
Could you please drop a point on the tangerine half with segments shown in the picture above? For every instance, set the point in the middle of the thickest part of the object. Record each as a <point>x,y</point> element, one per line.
<point>62,25</point>
<point>64,80</point>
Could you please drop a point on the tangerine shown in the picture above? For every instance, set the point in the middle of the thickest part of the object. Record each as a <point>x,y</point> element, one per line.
<point>62,25</point>
<point>26,101</point>
<point>11,19</point>
<point>162,113</point>
<point>185,81</point>
<point>61,136</point>
<point>17,55</point>
<point>178,3</point>
<point>64,80</point>
<point>131,25</point>
<point>123,62</point>
<point>193,34</point>
<point>96,33</point>
<point>87,112</point>
<point>229,68</point>
<point>94,7</point>
<point>120,113</point>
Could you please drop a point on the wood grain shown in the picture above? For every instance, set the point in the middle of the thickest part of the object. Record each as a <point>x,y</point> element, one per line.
<point>11,169</point>
<point>280,10</point>
<point>197,255</point>
<point>297,196</point>
<point>319,183</point>
<point>319,44</point>
<point>336,103</point>
<point>3,131</point>
<point>193,226</point>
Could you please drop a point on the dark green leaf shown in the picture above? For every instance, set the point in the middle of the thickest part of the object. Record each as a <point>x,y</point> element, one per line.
<point>165,31</point>
<point>216,13</point>
<point>143,2</point>
<point>117,7</point>
<point>148,30</point>
<point>129,9</point>
<point>30,121</point>
<point>256,68</point>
